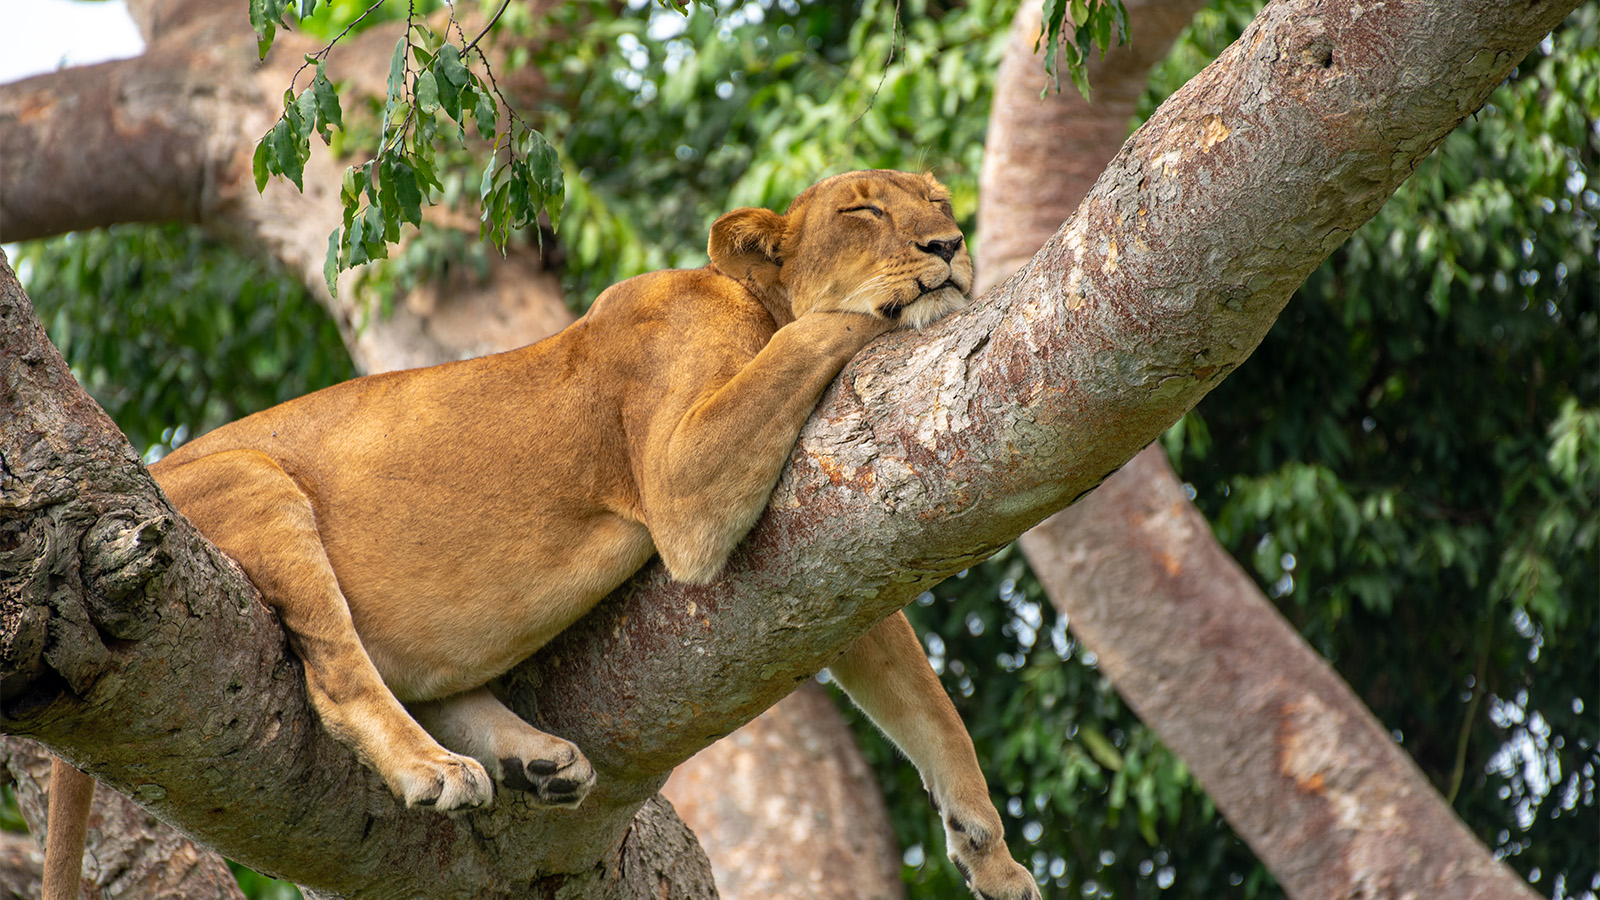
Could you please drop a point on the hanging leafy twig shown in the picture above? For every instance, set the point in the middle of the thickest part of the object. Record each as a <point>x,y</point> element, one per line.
<point>1091,24</point>
<point>428,75</point>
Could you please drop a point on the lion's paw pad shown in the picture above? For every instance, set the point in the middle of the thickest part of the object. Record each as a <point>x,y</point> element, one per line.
<point>562,778</point>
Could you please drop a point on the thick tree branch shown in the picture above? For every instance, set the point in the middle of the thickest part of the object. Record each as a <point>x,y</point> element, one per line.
<point>95,145</point>
<point>930,452</point>
<point>1302,770</point>
<point>1047,150</point>
<point>1327,801</point>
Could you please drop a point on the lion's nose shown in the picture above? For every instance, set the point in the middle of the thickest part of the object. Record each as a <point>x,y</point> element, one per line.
<point>945,250</point>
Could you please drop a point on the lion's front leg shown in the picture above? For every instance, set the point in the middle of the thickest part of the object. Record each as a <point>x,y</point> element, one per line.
<point>888,676</point>
<point>519,756</point>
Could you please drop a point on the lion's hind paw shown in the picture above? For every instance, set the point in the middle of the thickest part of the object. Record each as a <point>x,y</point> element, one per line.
<point>559,775</point>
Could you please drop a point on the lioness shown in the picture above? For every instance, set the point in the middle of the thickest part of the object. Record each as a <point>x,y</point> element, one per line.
<point>656,424</point>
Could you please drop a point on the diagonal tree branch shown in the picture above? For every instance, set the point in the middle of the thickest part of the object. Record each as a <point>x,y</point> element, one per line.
<point>931,451</point>
<point>1329,803</point>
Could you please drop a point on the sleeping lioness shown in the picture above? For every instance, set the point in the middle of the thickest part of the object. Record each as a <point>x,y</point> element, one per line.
<point>656,424</point>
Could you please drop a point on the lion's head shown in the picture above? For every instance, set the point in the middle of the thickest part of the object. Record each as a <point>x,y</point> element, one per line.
<point>879,242</point>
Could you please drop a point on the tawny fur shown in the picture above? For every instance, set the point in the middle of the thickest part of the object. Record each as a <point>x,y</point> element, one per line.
<point>421,532</point>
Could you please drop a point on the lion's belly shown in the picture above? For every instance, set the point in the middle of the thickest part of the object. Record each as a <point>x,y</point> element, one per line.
<point>446,618</point>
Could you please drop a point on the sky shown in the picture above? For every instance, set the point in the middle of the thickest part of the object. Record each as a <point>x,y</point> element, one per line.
<point>64,33</point>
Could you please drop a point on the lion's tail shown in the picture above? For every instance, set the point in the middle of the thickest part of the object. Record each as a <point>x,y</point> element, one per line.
<point>71,793</point>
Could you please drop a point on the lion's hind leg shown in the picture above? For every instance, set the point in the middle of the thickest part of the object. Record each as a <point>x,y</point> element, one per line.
<point>887,674</point>
<point>247,505</point>
<point>520,756</point>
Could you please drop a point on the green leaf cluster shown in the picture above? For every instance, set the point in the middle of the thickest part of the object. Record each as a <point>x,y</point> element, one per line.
<point>1091,24</point>
<point>432,95</point>
<point>286,148</point>
<point>173,334</point>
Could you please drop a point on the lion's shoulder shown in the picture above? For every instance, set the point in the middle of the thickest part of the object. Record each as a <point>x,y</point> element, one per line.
<point>683,306</point>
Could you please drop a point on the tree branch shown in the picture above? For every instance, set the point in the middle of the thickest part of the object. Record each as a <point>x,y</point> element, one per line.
<point>930,452</point>
<point>95,145</point>
<point>1298,765</point>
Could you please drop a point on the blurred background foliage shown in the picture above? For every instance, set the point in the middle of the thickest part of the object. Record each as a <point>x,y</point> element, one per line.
<point>174,333</point>
<point>1410,466</point>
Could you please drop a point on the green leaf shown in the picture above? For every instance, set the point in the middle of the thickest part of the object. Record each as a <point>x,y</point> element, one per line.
<point>427,93</point>
<point>264,37</point>
<point>426,176</point>
<point>305,115</point>
<point>264,18</point>
<point>486,114</point>
<point>380,229</point>
<point>407,193</point>
<point>397,71</point>
<point>448,64</point>
<point>330,265</point>
<point>328,111</point>
<point>388,181</point>
<point>449,92</point>
<point>258,164</point>
<point>286,153</point>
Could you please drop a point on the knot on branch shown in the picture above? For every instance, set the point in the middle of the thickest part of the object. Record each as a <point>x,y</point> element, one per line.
<point>122,552</point>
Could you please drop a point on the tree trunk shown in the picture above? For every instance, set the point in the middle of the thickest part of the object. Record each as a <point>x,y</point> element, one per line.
<point>930,452</point>
<point>779,790</point>
<point>1300,768</point>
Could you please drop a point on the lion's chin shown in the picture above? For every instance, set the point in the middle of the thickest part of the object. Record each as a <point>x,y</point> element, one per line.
<point>929,307</point>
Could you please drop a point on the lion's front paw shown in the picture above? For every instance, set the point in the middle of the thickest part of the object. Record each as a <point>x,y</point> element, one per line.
<point>976,844</point>
<point>554,771</point>
<point>443,781</point>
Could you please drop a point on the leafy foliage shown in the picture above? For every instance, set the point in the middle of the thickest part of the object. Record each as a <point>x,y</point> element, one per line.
<point>428,75</point>
<point>172,333</point>
<point>1431,521</point>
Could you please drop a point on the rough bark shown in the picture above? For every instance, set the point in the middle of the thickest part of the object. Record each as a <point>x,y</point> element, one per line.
<point>1043,152</point>
<point>133,855</point>
<point>1301,769</point>
<point>930,452</point>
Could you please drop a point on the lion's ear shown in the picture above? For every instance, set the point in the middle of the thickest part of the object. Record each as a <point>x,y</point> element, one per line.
<point>746,244</point>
